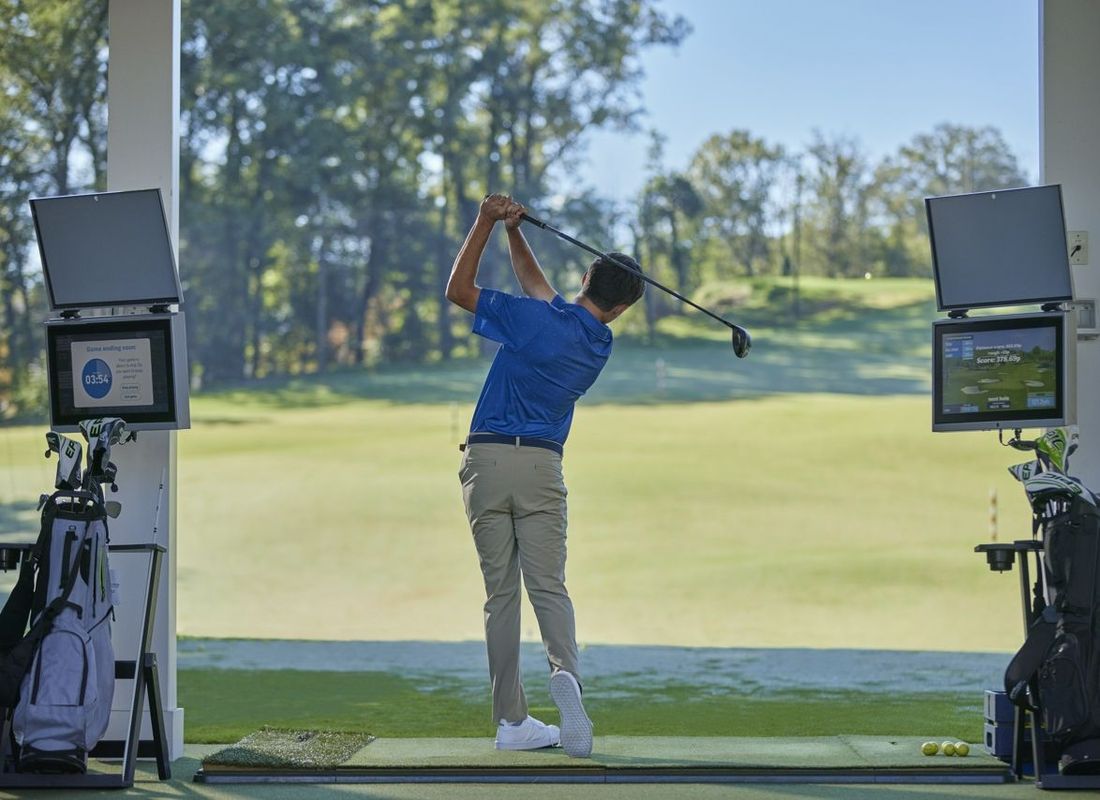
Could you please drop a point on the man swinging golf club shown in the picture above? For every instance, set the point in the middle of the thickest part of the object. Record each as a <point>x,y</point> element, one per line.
<point>551,353</point>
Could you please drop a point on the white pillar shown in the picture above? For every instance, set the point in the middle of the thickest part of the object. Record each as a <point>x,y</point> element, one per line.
<point>143,89</point>
<point>1069,133</point>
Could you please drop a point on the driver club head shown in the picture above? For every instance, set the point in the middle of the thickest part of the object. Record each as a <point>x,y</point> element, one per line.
<point>742,341</point>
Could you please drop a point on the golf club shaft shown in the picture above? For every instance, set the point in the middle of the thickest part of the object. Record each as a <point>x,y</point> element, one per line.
<point>615,261</point>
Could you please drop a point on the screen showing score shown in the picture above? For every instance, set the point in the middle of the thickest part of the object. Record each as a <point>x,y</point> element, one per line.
<point>1008,370</point>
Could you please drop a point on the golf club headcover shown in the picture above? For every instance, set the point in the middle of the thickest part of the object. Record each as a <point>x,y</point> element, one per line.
<point>1054,486</point>
<point>1057,445</point>
<point>69,453</point>
<point>1026,471</point>
<point>109,429</point>
<point>101,435</point>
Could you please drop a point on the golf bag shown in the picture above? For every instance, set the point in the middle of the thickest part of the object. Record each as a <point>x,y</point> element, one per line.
<point>65,698</point>
<point>59,675</point>
<point>1057,670</point>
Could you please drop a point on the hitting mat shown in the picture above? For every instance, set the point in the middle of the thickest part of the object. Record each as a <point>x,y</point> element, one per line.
<point>281,749</point>
<point>633,759</point>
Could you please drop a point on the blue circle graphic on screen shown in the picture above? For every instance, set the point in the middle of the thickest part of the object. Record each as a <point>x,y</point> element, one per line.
<point>97,378</point>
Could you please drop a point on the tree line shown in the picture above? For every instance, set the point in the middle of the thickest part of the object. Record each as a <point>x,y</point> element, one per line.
<point>334,152</point>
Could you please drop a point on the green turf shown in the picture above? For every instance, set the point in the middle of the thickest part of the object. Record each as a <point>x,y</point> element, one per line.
<point>225,705</point>
<point>272,748</point>
<point>648,752</point>
<point>850,518</point>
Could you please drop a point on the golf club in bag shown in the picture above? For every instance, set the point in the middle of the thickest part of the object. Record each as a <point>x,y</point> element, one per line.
<point>742,341</point>
<point>1056,672</point>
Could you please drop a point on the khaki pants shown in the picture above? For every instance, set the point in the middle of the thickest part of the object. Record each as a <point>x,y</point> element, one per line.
<point>515,501</point>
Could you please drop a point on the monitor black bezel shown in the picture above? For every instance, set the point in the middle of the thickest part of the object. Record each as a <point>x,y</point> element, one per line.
<point>940,305</point>
<point>104,330</point>
<point>144,301</point>
<point>993,420</point>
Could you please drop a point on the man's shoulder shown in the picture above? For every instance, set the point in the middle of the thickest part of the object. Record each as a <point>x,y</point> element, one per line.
<point>495,298</point>
<point>511,319</point>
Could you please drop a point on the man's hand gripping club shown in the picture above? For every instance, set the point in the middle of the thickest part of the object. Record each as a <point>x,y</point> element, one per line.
<point>462,288</point>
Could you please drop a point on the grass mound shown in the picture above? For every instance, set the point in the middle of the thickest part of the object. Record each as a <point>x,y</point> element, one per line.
<point>274,748</point>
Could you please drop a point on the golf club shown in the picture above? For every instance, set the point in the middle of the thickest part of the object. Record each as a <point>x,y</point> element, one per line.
<point>742,341</point>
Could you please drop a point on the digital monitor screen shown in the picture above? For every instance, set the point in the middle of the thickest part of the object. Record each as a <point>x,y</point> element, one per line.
<point>106,249</point>
<point>1013,371</point>
<point>116,368</point>
<point>1000,248</point>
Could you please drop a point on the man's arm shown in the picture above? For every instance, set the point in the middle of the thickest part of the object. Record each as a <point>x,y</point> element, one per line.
<point>462,288</point>
<point>528,272</point>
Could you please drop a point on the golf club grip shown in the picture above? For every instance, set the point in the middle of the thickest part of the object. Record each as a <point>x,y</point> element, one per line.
<point>534,221</point>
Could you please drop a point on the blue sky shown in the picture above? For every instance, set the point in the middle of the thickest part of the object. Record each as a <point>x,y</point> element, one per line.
<point>878,70</point>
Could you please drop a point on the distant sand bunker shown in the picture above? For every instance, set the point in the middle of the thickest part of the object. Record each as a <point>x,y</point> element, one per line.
<point>1034,384</point>
<point>973,390</point>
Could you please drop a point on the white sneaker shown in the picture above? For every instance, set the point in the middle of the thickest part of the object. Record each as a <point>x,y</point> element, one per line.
<point>528,735</point>
<point>576,727</point>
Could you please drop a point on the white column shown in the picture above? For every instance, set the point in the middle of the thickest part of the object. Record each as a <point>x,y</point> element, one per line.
<point>1069,131</point>
<point>143,152</point>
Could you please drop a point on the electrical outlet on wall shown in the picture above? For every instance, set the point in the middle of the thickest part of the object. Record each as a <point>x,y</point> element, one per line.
<point>1087,327</point>
<point>1078,243</point>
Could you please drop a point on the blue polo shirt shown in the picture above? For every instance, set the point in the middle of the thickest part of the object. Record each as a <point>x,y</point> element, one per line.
<point>550,354</point>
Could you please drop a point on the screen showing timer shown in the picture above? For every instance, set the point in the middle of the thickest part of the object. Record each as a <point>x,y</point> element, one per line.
<point>112,373</point>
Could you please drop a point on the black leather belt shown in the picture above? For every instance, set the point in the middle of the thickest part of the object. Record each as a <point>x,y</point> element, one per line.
<point>516,441</point>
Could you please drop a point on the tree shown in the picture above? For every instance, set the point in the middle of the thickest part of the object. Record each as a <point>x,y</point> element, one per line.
<point>952,159</point>
<point>671,199</point>
<point>734,175</point>
<point>52,141</point>
<point>836,220</point>
<point>17,179</point>
<point>518,87</point>
<point>55,60</point>
<point>335,147</point>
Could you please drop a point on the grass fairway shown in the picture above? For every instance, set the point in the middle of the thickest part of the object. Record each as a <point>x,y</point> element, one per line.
<point>225,705</point>
<point>790,520</point>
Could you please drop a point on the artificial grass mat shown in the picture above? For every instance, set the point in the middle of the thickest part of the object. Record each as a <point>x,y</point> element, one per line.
<point>659,752</point>
<point>225,705</point>
<point>272,748</point>
<point>300,753</point>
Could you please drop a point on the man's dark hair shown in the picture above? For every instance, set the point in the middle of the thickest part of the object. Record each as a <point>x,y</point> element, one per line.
<point>610,285</point>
